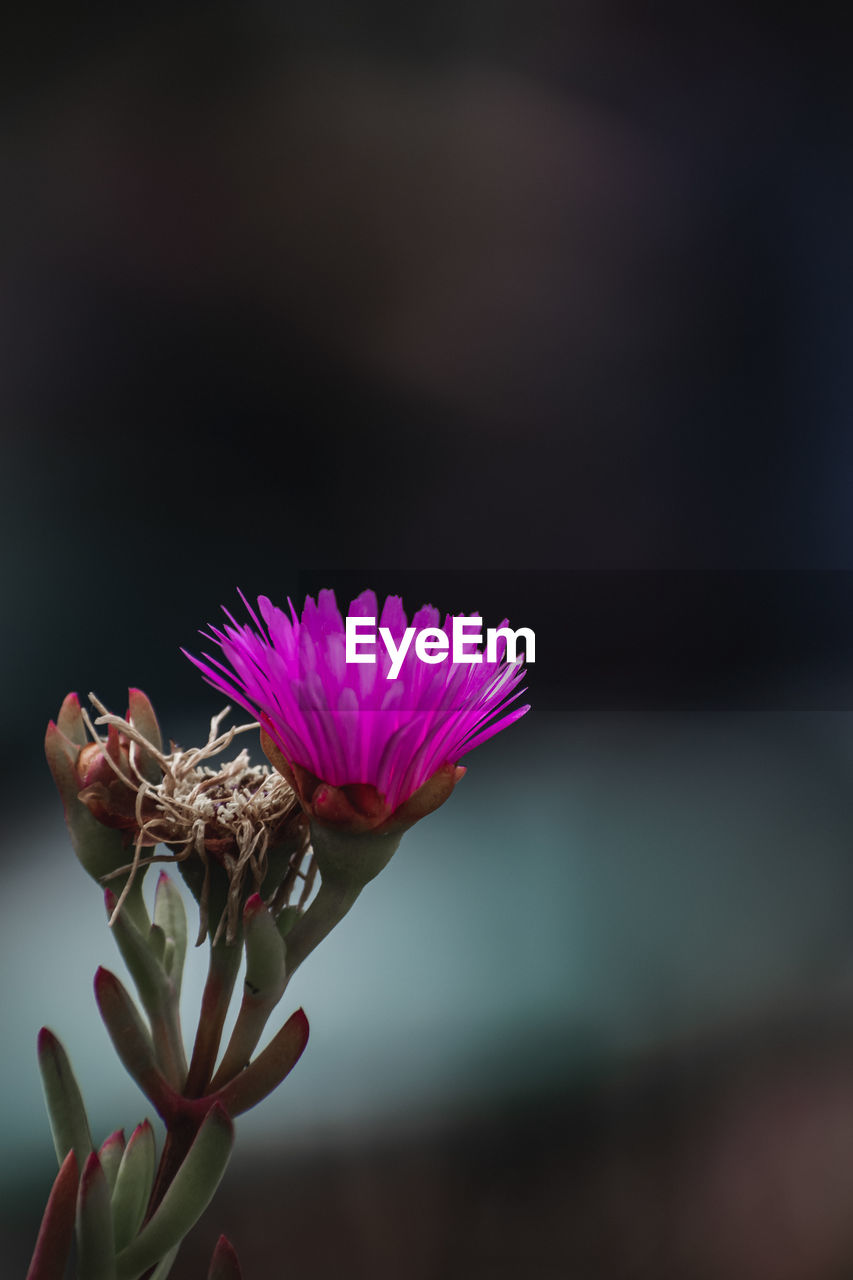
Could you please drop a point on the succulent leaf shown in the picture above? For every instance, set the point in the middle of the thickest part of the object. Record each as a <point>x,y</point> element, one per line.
<point>185,1200</point>
<point>57,1225</point>
<point>110,1154</point>
<point>133,1184</point>
<point>66,1110</point>
<point>171,916</point>
<point>132,1042</point>
<point>95,1246</point>
<point>224,1264</point>
<point>268,1069</point>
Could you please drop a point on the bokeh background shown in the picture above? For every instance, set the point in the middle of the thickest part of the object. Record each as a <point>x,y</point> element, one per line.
<point>522,308</point>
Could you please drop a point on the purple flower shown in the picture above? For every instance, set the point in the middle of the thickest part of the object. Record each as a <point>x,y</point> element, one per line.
<point>347,724</point>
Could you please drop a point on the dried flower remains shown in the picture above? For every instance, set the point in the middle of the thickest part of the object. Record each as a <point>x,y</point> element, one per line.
<point>234,814</point>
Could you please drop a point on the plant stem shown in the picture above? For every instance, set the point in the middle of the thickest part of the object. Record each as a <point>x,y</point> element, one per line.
<point>329,907</point>
<point>221,976</point>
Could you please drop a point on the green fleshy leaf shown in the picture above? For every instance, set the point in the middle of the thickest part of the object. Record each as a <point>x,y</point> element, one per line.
<point>151,982</point>
<point>95,1245</point>
<point>265,967</point>
<point>266,978</point>
<point>65,1108</point>
<point>110,1155</point>
<point>185,1200</point>
<point>268,1069</point>
<point>224,1264</point>
<point>133,1185</point>
<point>163,1268</point>
<point>57,1226</point>
<point>156,991</point>
<point>170,914</point>
<point>157,944</point>
<point>131,1040</point>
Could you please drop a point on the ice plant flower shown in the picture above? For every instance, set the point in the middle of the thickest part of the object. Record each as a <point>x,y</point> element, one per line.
<point>363,751</point>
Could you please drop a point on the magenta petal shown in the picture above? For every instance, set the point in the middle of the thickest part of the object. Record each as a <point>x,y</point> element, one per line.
<point>346,722</point>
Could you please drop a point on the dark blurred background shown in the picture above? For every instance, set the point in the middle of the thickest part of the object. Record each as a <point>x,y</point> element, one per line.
<point>536,310</point>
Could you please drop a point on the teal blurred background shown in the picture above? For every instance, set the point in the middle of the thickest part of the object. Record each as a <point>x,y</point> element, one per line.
<point>529,309</point>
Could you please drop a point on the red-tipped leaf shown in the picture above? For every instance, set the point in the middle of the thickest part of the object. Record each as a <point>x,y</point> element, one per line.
<point>224,1264</point>
<point>57,1226</point>
<point>268,1069</point>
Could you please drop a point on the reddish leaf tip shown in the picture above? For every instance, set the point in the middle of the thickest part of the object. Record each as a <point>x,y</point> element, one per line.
<point>91,1171</point>
<point>254,905</point>
<point>110,901</point>
<point>47,1041</point>
<point>139,1132</point>
<point>224,1264</point>
<point>103,980</point>
<point>224,1250</point>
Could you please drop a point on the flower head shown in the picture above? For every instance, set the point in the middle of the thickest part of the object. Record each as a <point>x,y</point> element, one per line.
<point>240,820</point>
<point>358,746</point>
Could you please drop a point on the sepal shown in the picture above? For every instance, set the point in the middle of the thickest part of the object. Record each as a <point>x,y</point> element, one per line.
<point>69,722</point>
<point>141,715</point>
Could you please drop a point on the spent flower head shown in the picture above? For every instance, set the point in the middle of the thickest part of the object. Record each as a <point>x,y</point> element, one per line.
<point>362,750</point>
<point>236,816</point>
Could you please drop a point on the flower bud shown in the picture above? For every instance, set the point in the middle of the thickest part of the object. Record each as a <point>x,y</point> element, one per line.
<point>101,770</point>
<point>100,849</point>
